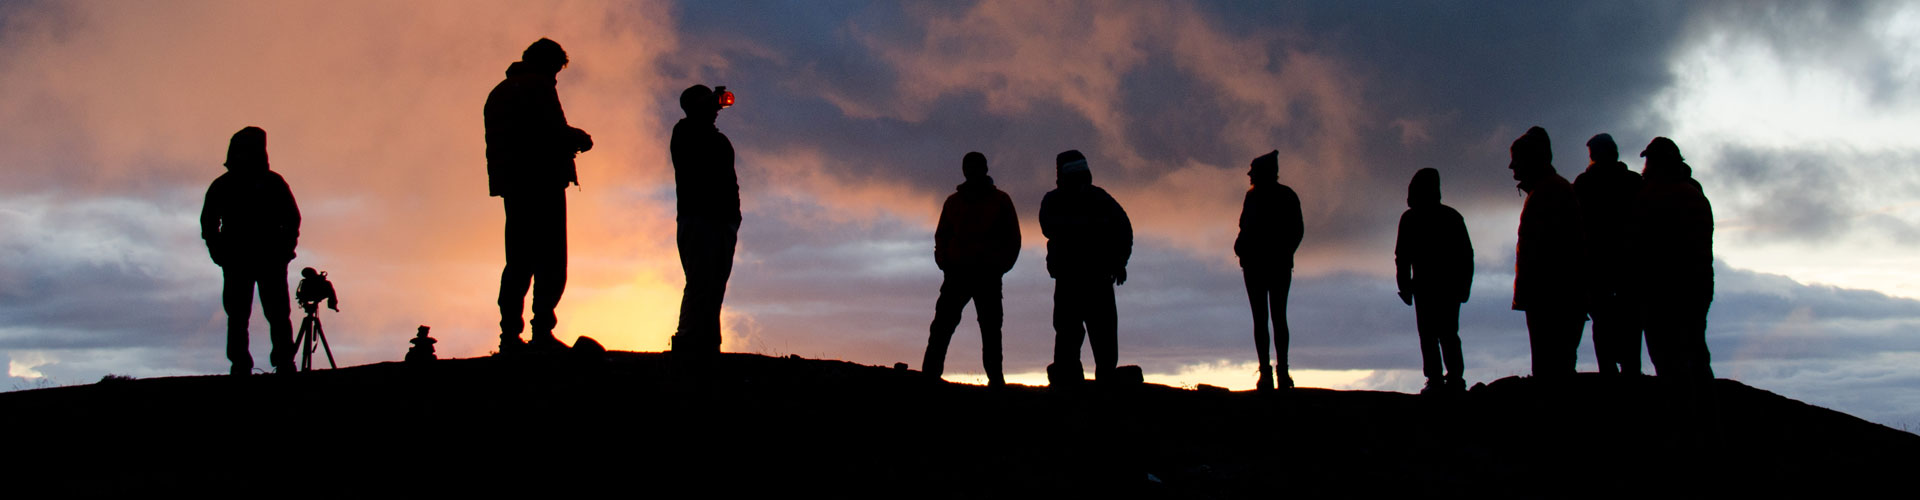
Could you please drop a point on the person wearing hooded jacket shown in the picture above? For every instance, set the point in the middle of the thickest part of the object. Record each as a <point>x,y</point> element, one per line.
<point>708,193</point>
<point>530,152</point>
<point>1548,282</point>
<point>1607,193</point>
<point>1433,257</point>
<point>1089,240</point>
<point>251,225</point>
<point>975,244</point>
<point>1675,263</point>
<point>1271,227</point>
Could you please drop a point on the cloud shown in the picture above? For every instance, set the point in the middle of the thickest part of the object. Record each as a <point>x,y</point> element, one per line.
<point>850,129</point>
<point>118,118</point>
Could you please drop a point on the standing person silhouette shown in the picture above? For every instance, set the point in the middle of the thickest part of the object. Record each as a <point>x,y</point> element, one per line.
<point>1433,257</point>
<point>709,219</point>
<point>976,243</point>
<point>251,225</point>
<point>530,151</point>
<point>1270,232</point>
<point>1089,240</point>
<point>1547,281</point>
<point>1676,263</point>
<point>1608,193</point>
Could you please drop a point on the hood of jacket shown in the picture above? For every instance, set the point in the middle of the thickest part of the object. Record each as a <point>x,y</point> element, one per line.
<point>1424,190</point>
<point>1668,170</point>
<point>247,151</point>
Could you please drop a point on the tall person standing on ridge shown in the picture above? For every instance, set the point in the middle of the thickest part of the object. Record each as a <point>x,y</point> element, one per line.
<point>708,194</point>
<point>1608,192</point>
<point>1676,263</point>
<point>251,225</point>
<point>1089,240</point>
<point>530,151</point>
<point>1433,258</point>
<point>1547,277</point>
<point>1270,231</point>
<point>976,243</point>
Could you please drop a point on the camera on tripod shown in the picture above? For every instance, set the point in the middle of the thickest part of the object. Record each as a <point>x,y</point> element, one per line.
<point>313,289</point>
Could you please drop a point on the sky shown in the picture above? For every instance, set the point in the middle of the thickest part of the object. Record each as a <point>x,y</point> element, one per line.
<point>850,124</point>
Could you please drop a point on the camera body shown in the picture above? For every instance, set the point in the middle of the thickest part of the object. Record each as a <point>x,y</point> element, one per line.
<point>314,288</point>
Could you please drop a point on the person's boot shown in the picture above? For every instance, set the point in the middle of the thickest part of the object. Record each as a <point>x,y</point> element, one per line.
<point>241,369</point>
<point>1434,386</point>
<point>510,343</point>
<point>1266,378</point>
<point>1283,380</point>
<point>546,342</point>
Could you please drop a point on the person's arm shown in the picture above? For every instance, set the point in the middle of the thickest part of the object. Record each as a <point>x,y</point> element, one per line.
<point>289,219</point>
<point>1008,234</point>
<point>1403,259</point>
<point>943,234</point>
<point>1123,242</point>
<point>211,212</point>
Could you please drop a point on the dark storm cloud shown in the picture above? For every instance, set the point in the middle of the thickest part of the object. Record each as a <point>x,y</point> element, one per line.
<point>1811,197</point>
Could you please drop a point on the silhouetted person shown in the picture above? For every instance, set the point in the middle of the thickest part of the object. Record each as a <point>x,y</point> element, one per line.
<point>1676,263</point>
<point>1608,191</point>
<point>1270,231</point>
<point>422,350</point>
<point>530,151</point>
<point>1089,240</point>
<point>977,242</point>
<point>251,225</point>
<point>1548,283</point>
<point>709,218</point>
<point>1434,261</point>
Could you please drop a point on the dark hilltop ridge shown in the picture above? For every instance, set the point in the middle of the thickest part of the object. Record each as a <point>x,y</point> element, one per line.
<point>632,424</point>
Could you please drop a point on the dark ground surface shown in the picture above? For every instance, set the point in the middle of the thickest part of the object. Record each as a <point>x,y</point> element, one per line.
<point>636,425</point>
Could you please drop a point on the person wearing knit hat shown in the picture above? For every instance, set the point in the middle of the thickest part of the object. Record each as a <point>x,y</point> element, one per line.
<point>1433,259</point>
<point>530,153</point>
<point>1675,263</point>
<point>1270,230</point>
<point>1089,240</point>
<point>1607,191</point>
<point>1548,282</point>
<point>251,225</point>
<point>975,244</point>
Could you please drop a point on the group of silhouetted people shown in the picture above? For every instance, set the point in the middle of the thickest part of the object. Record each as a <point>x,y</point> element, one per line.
<point>1631,251</point>
<point>1634,252</point>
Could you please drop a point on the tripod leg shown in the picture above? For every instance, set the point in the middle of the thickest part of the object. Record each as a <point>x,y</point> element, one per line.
<point>321,333</point>
<point>305,343</point>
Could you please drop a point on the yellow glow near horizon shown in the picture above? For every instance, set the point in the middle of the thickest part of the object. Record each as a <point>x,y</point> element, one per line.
<point>640,315</point>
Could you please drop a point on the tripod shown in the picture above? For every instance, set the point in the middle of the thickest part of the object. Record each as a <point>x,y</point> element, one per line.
<point>312,333</point>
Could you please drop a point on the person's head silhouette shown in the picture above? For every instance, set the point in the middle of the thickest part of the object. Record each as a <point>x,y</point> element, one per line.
<point>700,102</point>
<point>1532,155</point>
<point>973,165</point>
<point>1601,150</point>
<point>1425,188</point>
<point>1265,169</point>
<point>1070,169</point>
<point>247,151</point>
<point>545,54</point>
<point>1661,151</point>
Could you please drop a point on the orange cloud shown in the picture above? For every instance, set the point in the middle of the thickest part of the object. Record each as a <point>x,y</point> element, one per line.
<point>373,116</point>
